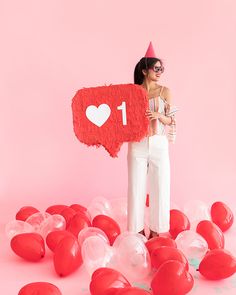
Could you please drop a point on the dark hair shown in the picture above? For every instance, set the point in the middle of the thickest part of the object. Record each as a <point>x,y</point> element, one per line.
<point>145,63</point>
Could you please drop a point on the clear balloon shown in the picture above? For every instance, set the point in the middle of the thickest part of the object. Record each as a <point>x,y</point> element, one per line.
<point>96,253</point>
<point>132,256</point>
<point>196,210</point>
<point>193,245</point>
<point>91,232</point>
<point>36,220</point>
<point>16,227</point>
<point>100,205</point>
<point>52,223</point>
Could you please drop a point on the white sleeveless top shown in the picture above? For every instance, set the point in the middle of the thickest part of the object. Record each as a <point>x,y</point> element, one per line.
<point>161,109</point>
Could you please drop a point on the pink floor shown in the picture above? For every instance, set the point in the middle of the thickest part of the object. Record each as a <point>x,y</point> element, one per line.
<point>15,272</point>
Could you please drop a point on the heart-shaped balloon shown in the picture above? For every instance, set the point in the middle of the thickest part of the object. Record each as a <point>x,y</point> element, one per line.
<point>56,209</point>
<point>165,253</point>
<point>25,212</point>
<point>81,209</point>
<point>172,278</point>
<point>218,264</point>
<point>78,222</point>
<point>108,225</point>
<point>157,242</point>
<point>16,227</point>
<point>54,238</point>
<point>106,278</point>
<point>130,291</point>
<point>211,233</point>
<point>29,246</point>
<point>222,215</point>
<point>39,288</point>
<point>67,256</point>
<point>178,222</point>
<point>68,213</point>
<point>52,223</point>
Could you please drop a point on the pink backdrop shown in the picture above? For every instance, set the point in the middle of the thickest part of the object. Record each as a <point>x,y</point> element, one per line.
<point>50,49</point>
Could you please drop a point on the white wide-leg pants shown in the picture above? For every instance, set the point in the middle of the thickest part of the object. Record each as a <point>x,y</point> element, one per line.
<point>149,157</point>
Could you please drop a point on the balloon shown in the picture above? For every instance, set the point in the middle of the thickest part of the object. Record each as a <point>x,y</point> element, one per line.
<point>108,225</point>
<point>211,233</point>
<point>67,256</point>
<point>164,253</point>
<point>77,223</point>
<point>172,278</point>
<point>100,206</point>
<point>196,210</point>
<point>96,253</point>
<point>157,242</point>
<point>131,256</point>
<point>39,288</point>
<point>52,223</point>
<point>68,213</point>
<point>54,238</point>
<point>25,212</point>
<point>131,291</point>
<point>16,227</point>
<point>56,209</point>
<point>106,278</point>
<point>178,222</point>
<point>29,246</point>
<point>218,264</point>
<point>222,215</point>
<point>81,209</point>
<point>91,231</point>
<point>193,245</point>
<point>37,219</point>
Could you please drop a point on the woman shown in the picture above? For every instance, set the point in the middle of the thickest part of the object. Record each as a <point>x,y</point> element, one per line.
<point>151,155</point>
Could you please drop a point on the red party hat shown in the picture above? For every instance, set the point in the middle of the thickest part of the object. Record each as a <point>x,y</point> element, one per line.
<point>150,51</point>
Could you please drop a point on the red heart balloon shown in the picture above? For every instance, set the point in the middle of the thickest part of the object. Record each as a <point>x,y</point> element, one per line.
<point>157,242</point>
<point>54,238</point>
<point>39,288</point>
<point>211,233</point>
<point>56,209</point>
<point>106,278</point>
<point>108,225</point>
<point>165,253</point>
<point>29,246</point>
<point>81,209</point>
<point>218,264</point>
<point>77,223</point>
<point>68,213</point>
<point>25,212</point>
<point>110,115</point>
<point>178,222</point>
<point>67,256</point>
<point>222,215</point>
<point>172,278</point>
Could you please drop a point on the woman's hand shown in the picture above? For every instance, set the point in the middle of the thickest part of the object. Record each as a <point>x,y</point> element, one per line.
<point>152,115</point>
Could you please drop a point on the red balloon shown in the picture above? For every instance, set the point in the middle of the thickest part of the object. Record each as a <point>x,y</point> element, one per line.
<point>106,278</point>
<point>218,264</point>
<point>131,291</point>
<point>25,212</point>
<point>54,238</point>
<point>56,209</point>
<point>172,278</point>
<point>178,222</point>
<point>79,208</point>
<point>68,213</point>
<point>165,253</point>
<point>157,242</point>
<point>67,256</point>
<point>29,246</point>
<point>108,225</point>
<point>77,223</point>
<point>222,215</point>
<point>211,233</point>
<point>39,288</point>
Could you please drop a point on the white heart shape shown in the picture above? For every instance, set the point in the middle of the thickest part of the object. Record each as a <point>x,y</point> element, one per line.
<point>98,115</point>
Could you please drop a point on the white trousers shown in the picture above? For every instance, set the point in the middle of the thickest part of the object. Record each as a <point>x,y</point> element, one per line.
<point>149,157</point>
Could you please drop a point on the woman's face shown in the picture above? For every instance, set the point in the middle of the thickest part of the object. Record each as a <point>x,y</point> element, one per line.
<point>153,74</point>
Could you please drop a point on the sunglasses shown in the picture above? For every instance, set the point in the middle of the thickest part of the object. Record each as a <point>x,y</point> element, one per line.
<point>158,69</point>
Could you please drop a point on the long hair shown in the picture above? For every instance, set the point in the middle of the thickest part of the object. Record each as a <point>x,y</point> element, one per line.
<point>145,63</point>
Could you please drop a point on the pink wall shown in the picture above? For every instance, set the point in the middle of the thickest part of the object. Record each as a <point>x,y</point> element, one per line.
<point>50,49</point>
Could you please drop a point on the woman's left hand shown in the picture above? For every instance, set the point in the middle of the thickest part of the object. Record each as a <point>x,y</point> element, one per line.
<point>152,115</point>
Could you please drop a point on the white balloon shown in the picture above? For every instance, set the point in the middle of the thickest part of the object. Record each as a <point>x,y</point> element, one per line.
<point>36,219</point>
<point>91,232</point>
<point>100,205</point>
<point>52,223</point>
<point>16,227</point>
